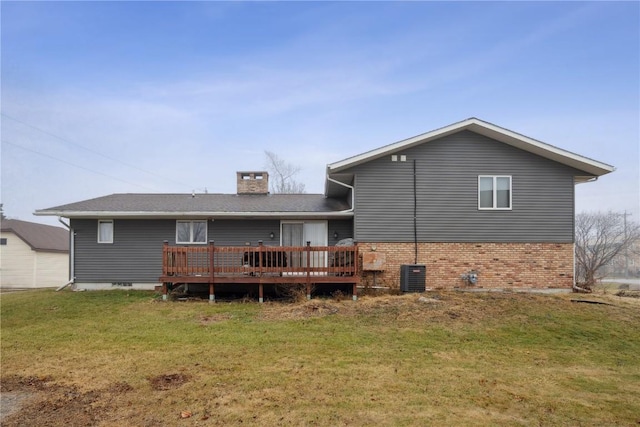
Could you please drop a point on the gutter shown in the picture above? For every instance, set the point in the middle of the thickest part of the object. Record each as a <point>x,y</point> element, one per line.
<point>353,193</point>
<point>592,179</point>
<point>193,214</point>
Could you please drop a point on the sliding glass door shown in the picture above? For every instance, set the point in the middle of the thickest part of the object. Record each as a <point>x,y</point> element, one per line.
<point>298,233</point>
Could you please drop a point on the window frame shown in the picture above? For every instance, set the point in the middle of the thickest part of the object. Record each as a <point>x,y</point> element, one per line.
<point>325,241</point>
<point>191,222</point>
<point>99,237</point>
<point>494,195</point>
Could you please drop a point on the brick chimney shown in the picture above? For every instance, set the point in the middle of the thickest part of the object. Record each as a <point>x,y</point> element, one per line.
<point>253,182</point>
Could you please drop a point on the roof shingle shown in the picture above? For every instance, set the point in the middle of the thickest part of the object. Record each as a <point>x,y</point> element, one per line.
<point>205,204</point>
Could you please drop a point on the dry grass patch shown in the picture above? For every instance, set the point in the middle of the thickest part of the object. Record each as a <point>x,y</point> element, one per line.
<point>120,359</point>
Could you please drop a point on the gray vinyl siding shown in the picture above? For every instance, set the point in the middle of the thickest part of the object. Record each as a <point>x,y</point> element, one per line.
<point>134,256</point>
<point>344,228</point>
<point>230,232</point>
<point>136,252</point>
<point>447,173</point>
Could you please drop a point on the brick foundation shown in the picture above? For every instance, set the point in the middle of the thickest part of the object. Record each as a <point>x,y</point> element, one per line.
<point>499,265</point>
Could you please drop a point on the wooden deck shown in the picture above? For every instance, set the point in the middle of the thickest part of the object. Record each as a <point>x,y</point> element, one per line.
<point>259,265</point>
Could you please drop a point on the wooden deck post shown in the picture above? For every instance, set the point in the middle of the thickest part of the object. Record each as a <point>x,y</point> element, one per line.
<point>356,273</point>
<point>165,260</point>
<point>308,270</point>
<point>260,248</point>
<point>212,248</point>
<point>260,258</point>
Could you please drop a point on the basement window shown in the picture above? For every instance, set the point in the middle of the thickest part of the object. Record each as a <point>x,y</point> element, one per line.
<point>494,192</point>
<point>105,231</point>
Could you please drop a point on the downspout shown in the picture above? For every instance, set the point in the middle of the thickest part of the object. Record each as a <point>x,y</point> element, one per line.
<point>415,214</point>
<point>574,286</point>
<point>72,246</point>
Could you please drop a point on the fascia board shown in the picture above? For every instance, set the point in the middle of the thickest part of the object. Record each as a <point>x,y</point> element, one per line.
<point>400,145</point>
<point>540,148</point>
<point>489,130</point>
<point>220,215</point>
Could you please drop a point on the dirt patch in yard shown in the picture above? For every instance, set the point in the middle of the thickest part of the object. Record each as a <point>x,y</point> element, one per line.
<point>214,318</point>
<point>12,401</point>
<point>38,401</point>
<point>305,310</point>
<point>11,383</point>
<point>168,381</point>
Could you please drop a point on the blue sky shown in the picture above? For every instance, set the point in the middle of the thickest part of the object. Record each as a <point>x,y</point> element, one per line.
<point>109,97</point>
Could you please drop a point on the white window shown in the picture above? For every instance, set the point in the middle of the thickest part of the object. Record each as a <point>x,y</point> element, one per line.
<point>105,231</point>
<point>191,231</point>
<point>494,192</point>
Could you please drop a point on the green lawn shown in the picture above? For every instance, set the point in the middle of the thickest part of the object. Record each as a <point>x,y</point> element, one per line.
<point>125,358</point>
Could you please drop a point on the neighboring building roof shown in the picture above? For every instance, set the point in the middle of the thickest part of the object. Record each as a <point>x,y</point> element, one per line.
<point>203,205</point>
<point>592,168</point>
<point>39,237</point>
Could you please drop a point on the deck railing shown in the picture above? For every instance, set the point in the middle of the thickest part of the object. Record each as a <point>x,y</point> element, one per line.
<point>258,261</point>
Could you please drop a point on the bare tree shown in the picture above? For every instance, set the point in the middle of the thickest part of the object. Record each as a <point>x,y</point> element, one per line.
<point>599,238</point>
<point>282,175</point>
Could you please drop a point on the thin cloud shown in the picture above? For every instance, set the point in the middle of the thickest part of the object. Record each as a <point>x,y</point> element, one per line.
<point>335,80</point>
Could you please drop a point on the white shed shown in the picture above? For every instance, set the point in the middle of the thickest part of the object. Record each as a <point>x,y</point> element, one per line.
<point>33,255</point>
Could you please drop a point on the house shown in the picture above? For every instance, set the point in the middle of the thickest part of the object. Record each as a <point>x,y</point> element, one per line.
<point>118,239</point>
<point>33,255</point>
<point>469,204</point>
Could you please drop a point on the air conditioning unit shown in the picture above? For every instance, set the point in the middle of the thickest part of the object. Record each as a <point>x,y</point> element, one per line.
<point>413,278</point>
